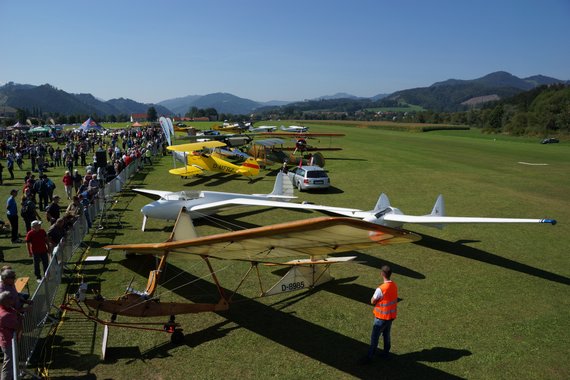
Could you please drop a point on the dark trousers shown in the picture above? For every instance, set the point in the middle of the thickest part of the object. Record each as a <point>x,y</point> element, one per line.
<point>43,257</point>
<point>380,327</point>
<point>14,226</point>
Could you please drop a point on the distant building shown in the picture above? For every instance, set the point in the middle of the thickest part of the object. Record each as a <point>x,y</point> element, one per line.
<point>8,112</point>
<point>205,118</point>
<point>138,117</point>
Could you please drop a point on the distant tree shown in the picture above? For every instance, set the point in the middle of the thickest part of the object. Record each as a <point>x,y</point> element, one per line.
<point>151,114</point>
<point>495,121</point>
<point>21,115</point>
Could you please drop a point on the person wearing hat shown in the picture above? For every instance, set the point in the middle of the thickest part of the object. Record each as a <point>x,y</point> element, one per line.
<point>53,211</point>
<point>38,247</point>
<point>12,214</point>
<point>68,183</point>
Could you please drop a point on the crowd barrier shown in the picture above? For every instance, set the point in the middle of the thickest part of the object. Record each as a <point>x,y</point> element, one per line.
<point>43,310</point>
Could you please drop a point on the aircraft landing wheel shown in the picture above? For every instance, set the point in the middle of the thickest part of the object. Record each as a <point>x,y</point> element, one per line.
<point>177,337</point>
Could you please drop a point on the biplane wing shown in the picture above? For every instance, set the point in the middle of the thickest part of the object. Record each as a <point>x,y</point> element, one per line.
<point>192,147</point>
<point>186,171</point>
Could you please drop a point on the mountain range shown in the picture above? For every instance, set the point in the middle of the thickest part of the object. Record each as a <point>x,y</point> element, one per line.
<point>449,95</point>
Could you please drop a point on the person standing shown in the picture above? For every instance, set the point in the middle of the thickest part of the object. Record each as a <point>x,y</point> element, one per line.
<point>38,248</point>
<point>53,210</point>
<point>77,180</point>
<point>8,277</point>
<point>12,214</point>
<point>10,322</point>
<point>10,165</point>
<point>385,301</point>
<point>29,211</point>
<point>68,183</point>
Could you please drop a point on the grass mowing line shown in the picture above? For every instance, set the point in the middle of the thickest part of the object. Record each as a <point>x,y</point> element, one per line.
<point>532,164</point>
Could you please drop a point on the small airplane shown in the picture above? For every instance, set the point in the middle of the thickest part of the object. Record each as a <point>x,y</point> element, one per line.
<point>294,128</point>
<point>267,153</point>
<point>313,239</point>
<point>205,203</point>
<point>197,158</point>
<point>262,128</point>
<point>301,143</point>
<point>231,127</point>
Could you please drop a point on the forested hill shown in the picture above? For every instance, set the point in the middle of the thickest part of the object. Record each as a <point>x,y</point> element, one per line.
<point>544,110</point>
<point>457,95</point>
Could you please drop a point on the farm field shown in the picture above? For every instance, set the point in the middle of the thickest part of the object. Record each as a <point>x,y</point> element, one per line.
<point>479,301</point>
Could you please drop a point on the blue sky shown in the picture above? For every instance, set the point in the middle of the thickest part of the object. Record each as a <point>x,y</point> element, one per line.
<point>264,50</point>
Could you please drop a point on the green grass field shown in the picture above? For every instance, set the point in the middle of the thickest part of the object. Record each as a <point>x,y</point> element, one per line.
<point>479,301</point>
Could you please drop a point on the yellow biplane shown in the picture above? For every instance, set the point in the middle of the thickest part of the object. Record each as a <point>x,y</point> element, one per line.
<point>311,239</point>
<point>200,157</point>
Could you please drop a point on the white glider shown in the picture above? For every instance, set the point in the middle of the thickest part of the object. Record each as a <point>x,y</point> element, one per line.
<point>203,203</point>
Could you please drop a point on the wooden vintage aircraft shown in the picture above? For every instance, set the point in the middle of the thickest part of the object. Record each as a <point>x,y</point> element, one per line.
<point>269,152</point>
<point>312,240</point>
<point>198,158</point>
<point>301,143</point>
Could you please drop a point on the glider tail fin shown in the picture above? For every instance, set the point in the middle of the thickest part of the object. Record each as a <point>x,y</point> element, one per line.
<point>283,186</point>
<point>437,210</point>
<point>183,228</point>
<point>382,204</point>
<point>438,207</point>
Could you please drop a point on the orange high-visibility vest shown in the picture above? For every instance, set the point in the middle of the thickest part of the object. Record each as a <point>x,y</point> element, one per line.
<point>387,308</point>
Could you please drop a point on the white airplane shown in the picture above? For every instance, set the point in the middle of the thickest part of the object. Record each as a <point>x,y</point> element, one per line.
<point>262,128</point>
<point>203,203</point>
<point>294,128</point>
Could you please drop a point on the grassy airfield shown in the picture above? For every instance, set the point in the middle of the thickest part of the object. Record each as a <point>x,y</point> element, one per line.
<point>479,301</point>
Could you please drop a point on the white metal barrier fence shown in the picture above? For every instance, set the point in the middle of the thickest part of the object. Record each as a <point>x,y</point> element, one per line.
<point>43,309</point>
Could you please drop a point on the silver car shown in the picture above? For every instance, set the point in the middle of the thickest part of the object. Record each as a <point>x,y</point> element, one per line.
<point>309,177</point>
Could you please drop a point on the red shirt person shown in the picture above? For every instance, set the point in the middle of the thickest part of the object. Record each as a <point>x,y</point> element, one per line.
<point>38,247</point>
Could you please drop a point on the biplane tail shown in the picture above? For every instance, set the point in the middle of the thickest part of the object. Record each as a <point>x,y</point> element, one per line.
<point>249,168</point>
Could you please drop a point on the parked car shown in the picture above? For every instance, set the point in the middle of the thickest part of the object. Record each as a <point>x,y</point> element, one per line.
<point>309,177</point>
<point>550,140</point>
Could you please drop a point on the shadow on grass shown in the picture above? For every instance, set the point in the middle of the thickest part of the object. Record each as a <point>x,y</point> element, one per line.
<point>459,249</point>
<point>326,346</point>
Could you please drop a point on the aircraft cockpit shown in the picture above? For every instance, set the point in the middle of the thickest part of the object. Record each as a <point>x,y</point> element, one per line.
<point>184,195</point>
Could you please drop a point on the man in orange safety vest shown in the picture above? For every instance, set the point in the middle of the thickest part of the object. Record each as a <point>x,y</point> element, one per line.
<point>385,301</point>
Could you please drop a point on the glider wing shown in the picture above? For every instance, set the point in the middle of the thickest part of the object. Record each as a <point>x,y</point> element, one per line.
<point>311,237</point>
